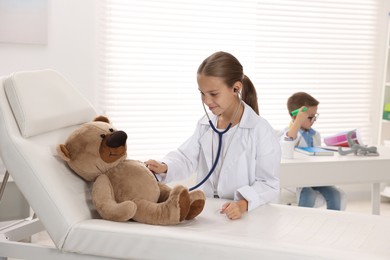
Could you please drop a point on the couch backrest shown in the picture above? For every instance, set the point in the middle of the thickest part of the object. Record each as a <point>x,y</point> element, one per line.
<point>38,110</point>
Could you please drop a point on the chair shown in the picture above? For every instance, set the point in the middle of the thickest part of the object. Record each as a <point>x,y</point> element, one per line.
<point>39,109</point>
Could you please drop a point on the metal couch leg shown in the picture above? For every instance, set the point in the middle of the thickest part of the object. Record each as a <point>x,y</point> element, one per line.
<point>3,184</point>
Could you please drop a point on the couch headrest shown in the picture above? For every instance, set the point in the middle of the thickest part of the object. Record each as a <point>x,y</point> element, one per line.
<point>43,100</point>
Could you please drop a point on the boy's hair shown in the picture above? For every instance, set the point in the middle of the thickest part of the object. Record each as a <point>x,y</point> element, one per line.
<point>299,99</point>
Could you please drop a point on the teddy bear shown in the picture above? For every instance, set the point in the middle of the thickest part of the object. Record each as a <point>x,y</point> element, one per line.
<point>124,189</point>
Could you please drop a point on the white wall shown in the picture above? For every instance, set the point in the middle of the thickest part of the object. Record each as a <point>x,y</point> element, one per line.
<point>70,49</point>
<point>378,91</point>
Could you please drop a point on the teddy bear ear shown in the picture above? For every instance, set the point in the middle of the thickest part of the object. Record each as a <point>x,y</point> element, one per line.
<point>63,152</point>
<point>102,119</point>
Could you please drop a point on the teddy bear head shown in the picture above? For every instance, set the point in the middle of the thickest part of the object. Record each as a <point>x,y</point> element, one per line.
<point>94,148</point>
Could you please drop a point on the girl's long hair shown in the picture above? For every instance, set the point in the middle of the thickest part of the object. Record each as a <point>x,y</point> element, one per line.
<point>226,66</point>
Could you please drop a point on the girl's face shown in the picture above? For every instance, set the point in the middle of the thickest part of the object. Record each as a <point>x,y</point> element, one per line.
<point>220,99</point>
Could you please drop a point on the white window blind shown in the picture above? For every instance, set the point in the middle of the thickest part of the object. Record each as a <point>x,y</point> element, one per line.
<point>149,52</point>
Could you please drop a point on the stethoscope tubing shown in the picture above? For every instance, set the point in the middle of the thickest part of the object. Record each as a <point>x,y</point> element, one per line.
<point>220,134</point>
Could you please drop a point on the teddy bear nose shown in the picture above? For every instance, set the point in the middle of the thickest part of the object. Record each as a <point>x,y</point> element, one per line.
<point>116,139</point>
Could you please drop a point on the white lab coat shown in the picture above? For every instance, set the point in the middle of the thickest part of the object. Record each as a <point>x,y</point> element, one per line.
<point>251,163</point>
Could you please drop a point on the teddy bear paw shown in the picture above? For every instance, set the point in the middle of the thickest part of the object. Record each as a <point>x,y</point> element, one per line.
<point>197,202</point>
<point>121,212</point>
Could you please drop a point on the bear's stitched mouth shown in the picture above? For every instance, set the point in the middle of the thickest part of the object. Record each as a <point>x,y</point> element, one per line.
<point>116,154</point>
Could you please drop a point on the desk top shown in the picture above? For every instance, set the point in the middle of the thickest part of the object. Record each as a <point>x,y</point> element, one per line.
<point>305,171</point>
<point>384,154</point>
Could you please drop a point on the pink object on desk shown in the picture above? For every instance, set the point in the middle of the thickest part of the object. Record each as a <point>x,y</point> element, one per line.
<point>340,139</point>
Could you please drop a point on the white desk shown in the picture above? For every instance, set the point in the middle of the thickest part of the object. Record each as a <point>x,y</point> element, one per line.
<point>306,171</point>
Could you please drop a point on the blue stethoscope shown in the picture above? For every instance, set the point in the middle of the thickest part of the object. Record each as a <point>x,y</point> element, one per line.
<point>220,134</point>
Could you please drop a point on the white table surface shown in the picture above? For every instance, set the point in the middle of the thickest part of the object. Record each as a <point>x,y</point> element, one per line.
<point>306,171</point>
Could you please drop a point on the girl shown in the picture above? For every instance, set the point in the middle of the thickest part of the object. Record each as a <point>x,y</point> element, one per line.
<point>247,171</point>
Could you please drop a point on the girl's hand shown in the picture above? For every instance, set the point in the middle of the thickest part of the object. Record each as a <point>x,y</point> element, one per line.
<point>156,167</point>
<point>234,210</point>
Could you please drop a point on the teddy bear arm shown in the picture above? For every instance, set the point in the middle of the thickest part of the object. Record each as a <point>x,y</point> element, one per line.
<point>104,200</point>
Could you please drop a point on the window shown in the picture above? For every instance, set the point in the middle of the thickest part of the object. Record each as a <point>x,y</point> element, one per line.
<point>150,51</point>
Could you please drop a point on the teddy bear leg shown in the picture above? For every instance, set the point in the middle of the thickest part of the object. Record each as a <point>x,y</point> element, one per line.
<point>165,190</point>
<point>165,193</point>
<point>197,202</point>
<point>105,203</point>
<point>170,212</point>
<point>184,200</point>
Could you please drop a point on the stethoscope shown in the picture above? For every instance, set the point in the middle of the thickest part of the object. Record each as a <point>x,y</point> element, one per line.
<point>220,135</point>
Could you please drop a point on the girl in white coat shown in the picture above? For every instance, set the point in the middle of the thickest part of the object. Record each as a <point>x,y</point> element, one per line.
<point>248,169</point>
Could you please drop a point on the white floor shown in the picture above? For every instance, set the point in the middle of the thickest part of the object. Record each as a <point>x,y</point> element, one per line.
<point>358,202</point>
<point>358,199</point>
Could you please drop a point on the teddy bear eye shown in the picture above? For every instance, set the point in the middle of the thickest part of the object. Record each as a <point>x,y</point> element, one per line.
<point>111,130</point>
<point>102,136</point>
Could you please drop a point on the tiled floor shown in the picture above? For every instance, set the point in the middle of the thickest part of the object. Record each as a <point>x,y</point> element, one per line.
<point>358,202</point>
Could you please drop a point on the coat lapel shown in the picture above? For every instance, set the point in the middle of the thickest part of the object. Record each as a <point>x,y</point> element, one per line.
<point>238,142</point>
<point>206,143</point>
<point>236,147</point>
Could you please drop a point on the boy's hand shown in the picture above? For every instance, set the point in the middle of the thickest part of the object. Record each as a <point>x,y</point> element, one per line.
<point>156,167</point>
<point>301,117</point>
<point>298,121</point>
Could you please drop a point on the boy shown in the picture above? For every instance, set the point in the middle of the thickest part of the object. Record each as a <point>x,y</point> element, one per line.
<point>301,133</point>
